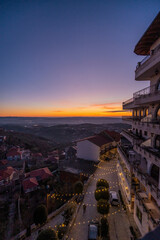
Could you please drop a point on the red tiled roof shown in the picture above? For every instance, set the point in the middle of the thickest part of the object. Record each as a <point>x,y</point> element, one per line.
<point>3,162</point>
<point>100,140</point>
<point>113,134</point>
<point>5,173</point>
<point>29,183</point>
<point>41,174</point>
<point>37,154</point>
<point>13,152</point>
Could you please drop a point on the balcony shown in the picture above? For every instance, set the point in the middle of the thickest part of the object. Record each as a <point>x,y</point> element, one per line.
<point>149,207</point>
<point>124,156</point>
<point>129,104</point>
<point>146,68</point>
<point>149,183</point>
<point>133,138</point>
<point>153,155</point>
<point>149,94</point>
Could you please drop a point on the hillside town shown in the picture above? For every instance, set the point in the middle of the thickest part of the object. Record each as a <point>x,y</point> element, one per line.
<point>27,178</point>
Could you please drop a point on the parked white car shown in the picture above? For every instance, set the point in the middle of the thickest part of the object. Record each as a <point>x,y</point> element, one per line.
<point>113,198</point>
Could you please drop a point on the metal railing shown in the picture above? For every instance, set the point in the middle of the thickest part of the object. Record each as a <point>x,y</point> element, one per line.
<point>146,91</point>
<point>153,52</point>
<point>128,101</point>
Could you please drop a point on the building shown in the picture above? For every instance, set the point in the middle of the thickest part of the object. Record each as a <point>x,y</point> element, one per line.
<point>7,174</point>
<point>91,148</point>
<point>41,174</point>
<point>14,154</point>
<point>30,185</point>
<point>139,149</point>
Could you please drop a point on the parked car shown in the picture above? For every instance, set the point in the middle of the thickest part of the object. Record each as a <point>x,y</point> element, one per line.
<point>93,231</point>
<point>113,198</point>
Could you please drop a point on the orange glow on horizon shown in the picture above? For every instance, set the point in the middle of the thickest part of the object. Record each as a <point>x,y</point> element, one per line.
<point>69,112</point>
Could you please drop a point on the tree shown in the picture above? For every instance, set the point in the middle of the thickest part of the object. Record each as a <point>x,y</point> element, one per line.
<point>101,193</point>
<point>103,206</point>
<point>102,183</point>
<point>104,227</point>
<point>40,214</point>
<point>47,234</point>
<point>78,187</point>
<point>62,229</point>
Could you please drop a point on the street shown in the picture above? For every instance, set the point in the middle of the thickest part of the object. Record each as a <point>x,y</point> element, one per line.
<point>117,217</point>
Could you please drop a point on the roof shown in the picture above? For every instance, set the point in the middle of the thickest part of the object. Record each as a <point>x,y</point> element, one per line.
<point>114,135</point>
<point>41,174</point>
<point>5,173</point>
<point>149,37</point>
<point>36,154</point>
<point>3,162</point>
<point>99,140</point>
<point>29,183</point>
<point>13,152</point>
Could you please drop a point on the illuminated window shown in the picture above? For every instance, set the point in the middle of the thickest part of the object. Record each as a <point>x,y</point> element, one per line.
<point>141,113</point>
<point>158,113</point>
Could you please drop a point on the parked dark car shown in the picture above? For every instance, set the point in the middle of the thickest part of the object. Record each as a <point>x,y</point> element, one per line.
<point>93,230</point>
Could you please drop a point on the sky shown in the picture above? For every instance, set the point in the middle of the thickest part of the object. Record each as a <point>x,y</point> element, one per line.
<point>61,58</point>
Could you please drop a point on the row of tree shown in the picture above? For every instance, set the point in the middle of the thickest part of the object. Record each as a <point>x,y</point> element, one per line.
<point>102,197</point>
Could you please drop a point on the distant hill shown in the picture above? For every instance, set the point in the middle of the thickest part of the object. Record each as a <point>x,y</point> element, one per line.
<point>60,135</point>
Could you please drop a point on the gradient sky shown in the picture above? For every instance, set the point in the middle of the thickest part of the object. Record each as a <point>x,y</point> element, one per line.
<point>70,58</point>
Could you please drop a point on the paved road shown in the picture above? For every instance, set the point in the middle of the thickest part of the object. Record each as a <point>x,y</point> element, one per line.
<point>118,220</point>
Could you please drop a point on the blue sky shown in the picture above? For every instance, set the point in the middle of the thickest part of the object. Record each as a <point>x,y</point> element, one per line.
<point>59,57</point>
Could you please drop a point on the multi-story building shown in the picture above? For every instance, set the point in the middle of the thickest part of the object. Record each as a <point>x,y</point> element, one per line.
<point>139,150</point>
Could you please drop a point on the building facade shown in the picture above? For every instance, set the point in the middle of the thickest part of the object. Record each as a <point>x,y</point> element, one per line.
<point>139,149</point>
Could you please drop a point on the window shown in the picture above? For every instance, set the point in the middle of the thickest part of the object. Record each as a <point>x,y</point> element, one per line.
<point>141,113</point>
<point>158,85</point>
<point>139,214</point>
<point>155,172</point>
<point>145,133</point>
<point>158,113</point>
<point>146,112</point>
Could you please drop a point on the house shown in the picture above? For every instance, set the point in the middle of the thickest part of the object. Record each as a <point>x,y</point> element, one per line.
<point>70,152</point>
<point>90,148</point>
<point>7,174</point>
<point>2,139</point>
<point>139,150</point>
<point>14,154</point>
<point>30,184</point>
<point>52,160</point>
<point>26,154</point>
<point>3,163</point>
<point>40,174</point>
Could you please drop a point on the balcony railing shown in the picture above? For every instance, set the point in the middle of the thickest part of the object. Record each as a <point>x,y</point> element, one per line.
<point>153,89</point>
<point>148,181</point>
<point>153,52</point>
<point>149,152</point>
<point>144,60</point>
<point>146,91</point>
<point>128,101</point>
<point>145,202</point>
